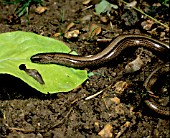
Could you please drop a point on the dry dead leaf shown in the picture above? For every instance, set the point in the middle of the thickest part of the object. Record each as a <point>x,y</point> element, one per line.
<point>94,30</point>
<point>131,4</point>
<point>72,34</point>
<point>167,30</point>
<point>119,109</point>
<point>86,2</point>
<point>86,18</point>
<point>108,102</point>
<point>40,9</point>
<point>116,100</point>
<point>120,86</point>
<point>147,25</point>
<point>106,131</point>
<point>97,126</point>
<point>69,26</point>
<point>57,34</point>
<point>131,110</point>
<point>162,34</point>
<point>154,32</point>
<point>111,101</point>
<point>134,65</point>
<point>127,124</point>
<point>104,19</point>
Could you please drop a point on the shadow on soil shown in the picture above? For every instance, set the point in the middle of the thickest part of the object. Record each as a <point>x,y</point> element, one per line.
<point>14,88</point>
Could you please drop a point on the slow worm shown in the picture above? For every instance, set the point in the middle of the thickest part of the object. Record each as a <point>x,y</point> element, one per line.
<point>109,53</point>
<point>149,82</point>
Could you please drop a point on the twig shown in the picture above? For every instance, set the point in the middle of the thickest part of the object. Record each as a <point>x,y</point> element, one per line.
<point>20,129</point>
<point>94,95</point>
<point>104,40</point>
<point>62,121</point>
<point>87,8</point>
<point>123,129</point>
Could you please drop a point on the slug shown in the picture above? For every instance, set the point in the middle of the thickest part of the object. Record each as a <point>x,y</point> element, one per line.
<point>33,73</point>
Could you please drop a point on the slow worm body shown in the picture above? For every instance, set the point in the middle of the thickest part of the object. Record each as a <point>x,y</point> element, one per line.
<point>109,53</point>
<point>157,107</point>
<point>149,82</point>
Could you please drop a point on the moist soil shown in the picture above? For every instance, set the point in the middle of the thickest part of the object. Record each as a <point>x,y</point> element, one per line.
<point>119,110</point>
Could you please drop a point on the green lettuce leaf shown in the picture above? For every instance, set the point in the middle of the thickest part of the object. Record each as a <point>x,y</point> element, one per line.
<point>104,6</point>
<point>16,48</point>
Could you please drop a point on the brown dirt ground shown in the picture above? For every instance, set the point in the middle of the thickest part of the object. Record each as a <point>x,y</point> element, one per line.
<point>25,112</point>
